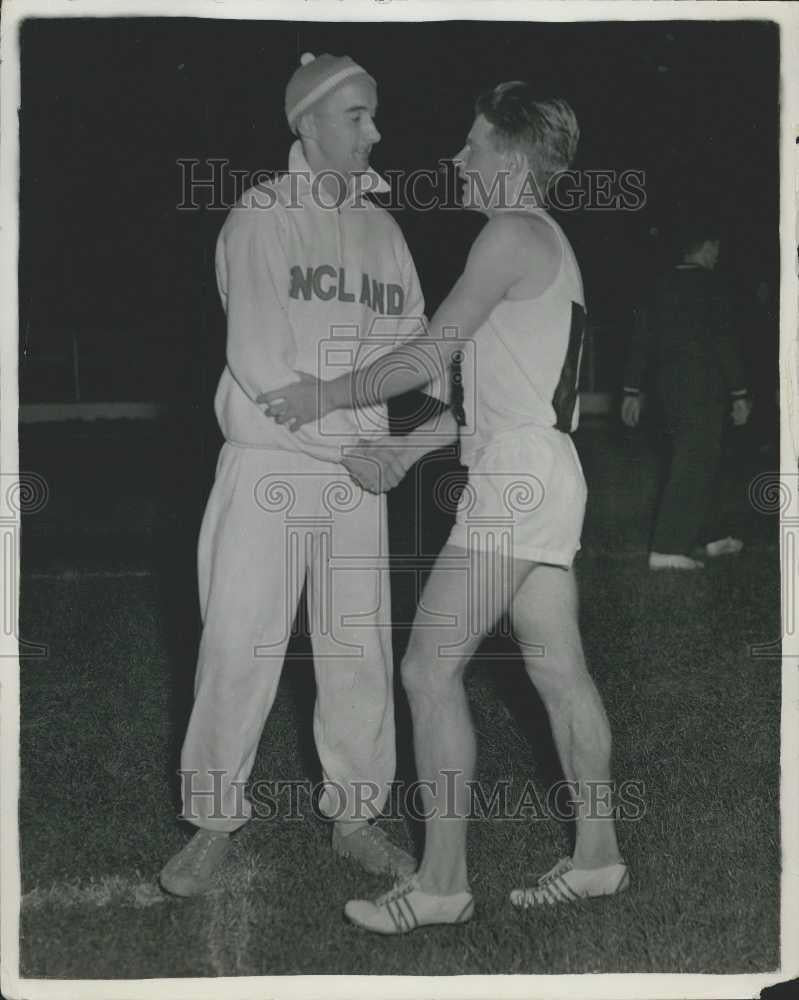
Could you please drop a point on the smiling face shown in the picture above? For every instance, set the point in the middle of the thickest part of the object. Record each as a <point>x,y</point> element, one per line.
<point>484,170</point>
<point>339,132</point>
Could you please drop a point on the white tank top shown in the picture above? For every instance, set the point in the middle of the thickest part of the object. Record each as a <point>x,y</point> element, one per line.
<point>526,360</point>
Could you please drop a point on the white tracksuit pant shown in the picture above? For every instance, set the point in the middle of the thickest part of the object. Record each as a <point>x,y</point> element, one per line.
<point>273,520</point>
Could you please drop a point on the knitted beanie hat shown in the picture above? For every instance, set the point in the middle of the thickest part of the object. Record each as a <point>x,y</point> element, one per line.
<point>315,77</point>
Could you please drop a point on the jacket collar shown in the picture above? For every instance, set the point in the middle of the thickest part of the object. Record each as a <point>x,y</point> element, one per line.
<point>298,164</point>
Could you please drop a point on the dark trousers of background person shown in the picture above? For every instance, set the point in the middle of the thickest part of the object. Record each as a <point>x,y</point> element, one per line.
<point>690,506</point>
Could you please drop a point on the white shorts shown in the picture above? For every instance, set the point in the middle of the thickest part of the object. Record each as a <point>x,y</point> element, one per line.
<point>526,497</point>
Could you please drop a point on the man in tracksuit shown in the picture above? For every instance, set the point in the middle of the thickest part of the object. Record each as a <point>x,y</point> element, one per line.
<point>685,336</point>
<point>309,270</point>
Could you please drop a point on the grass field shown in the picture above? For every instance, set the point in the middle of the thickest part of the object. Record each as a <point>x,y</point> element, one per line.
<point>108,585</point>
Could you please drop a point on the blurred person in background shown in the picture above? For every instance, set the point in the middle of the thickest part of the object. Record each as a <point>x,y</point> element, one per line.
<point>684,336</point>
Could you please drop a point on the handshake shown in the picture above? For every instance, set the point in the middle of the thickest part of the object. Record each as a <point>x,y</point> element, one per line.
<point>378,466</point>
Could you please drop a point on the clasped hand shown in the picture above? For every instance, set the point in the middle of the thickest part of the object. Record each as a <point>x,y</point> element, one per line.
<point>375,465</point>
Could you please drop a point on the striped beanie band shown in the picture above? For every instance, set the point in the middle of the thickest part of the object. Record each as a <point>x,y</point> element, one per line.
<point>315,77</point>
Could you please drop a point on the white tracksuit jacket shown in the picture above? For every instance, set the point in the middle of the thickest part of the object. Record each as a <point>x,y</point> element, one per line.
<point>303,286</point>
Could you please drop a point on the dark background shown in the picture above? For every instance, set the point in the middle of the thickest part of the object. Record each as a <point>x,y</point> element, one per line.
<point>117,289</point>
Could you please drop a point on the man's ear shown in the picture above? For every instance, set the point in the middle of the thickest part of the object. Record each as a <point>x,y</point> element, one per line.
<point>305,126</point>
<point>518,164</point>
<point>522,178</point>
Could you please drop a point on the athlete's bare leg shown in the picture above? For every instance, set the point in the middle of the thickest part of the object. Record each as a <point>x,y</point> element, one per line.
<point>545,614</point>
<point>464,596</point>
<point>544,609</point>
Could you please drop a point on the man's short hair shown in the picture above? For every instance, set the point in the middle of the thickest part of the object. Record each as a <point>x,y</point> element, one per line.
<point>545,130</point>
